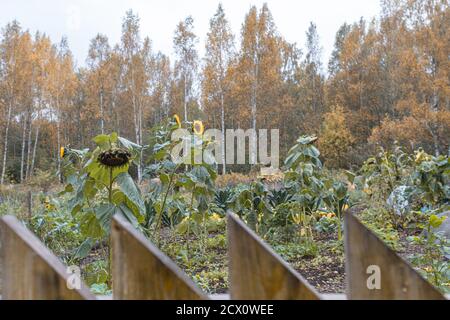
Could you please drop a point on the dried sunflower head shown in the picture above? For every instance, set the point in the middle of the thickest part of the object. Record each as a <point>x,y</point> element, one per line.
<point>115,157</point>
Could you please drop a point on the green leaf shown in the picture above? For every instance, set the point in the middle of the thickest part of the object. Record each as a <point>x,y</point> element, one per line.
<point>90,226</point>
<point>182,227</point>
<point>89,189</point>
<point>128,214</point>
<point>164,177</point>
<point>114,137</point>
<point>160,146</point>
<point>306,140</point>
<point>102,141</point>
<point>435,221</point>
<point>340,190</point>
<point>128,144</point>
<point>131,191</point>
<point>312,152</point>
<point>104,214</point>
<point>117,197</point>
<point>102,173</point>
<point>76,203</point>
<point>84,249</point>
<point>350,176</point>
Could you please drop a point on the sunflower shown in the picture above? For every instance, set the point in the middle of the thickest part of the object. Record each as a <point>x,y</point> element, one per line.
<point>177,120</point>
<point>62,152</point>
<point>198,127</point>
<point>115,157</point>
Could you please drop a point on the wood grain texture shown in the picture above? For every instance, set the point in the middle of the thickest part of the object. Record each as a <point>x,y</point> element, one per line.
<point>258,273</point>
<point>142,272</point>
<point>398,279</point>
<point>30,270</point>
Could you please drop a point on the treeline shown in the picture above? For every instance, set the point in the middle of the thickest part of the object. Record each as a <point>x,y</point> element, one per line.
<point>387,80</point>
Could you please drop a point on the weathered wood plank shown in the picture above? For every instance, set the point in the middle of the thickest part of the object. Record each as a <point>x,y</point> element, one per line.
<point>366,255</point>
<point>142,272</point>
<point>30,270</point>
<point>256,272</point>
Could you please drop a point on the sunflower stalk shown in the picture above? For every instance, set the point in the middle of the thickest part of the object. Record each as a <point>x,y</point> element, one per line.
<point>159,222</point>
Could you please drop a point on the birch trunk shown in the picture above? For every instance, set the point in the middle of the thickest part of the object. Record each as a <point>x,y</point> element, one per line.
<point>135,118</point>
<point>22,152</point>
<point>102,120</point>
<point>29,143</point>
<point>140,143</point>
<point>136,132</point>
<point>222,119</point>
<point>58,140</point>
<point>254,112</point>
<point>185,99</point>
<point>33,159</point>
<point>5,145</point>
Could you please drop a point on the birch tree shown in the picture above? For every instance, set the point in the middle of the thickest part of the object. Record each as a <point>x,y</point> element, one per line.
<point>219,52</point>
<point>131,46</point>
<point>99,53</point>
<point>184,44</point>
<point>259,70</point>
<point>11,81</point>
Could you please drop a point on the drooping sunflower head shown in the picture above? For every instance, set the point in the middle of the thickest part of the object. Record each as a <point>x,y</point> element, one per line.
<point>176,118</point>
<point>62,152</point>
<point>198,127</point>
<point>115,157</point>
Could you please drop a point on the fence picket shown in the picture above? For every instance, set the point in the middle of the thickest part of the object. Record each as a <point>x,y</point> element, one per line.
<point>141,271</point>
<point>256,272</point>
<point>30,271</point>
<point>366,255</point>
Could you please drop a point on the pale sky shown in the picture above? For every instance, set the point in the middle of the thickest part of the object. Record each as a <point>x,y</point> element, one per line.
<point>81,20</point>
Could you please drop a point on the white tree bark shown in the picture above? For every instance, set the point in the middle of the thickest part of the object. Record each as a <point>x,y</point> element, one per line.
<point>135,116</point>
<point>58,138</point>
<point>29,143</point>
<point>254,98</point>
<point>22,153</point>
<point>185,98</point>
<point>5,145</point>
<point>33,159</point>
<point>102,119</point>
<point>222,119</point>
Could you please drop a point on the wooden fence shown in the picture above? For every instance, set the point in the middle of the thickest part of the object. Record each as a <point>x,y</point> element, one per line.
<point>28,270</point>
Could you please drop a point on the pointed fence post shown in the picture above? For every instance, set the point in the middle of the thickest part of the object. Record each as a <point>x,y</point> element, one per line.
<point>374,271</point>
<point>256,272</point>
<point>142,272</point>
<point>31,271</point>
